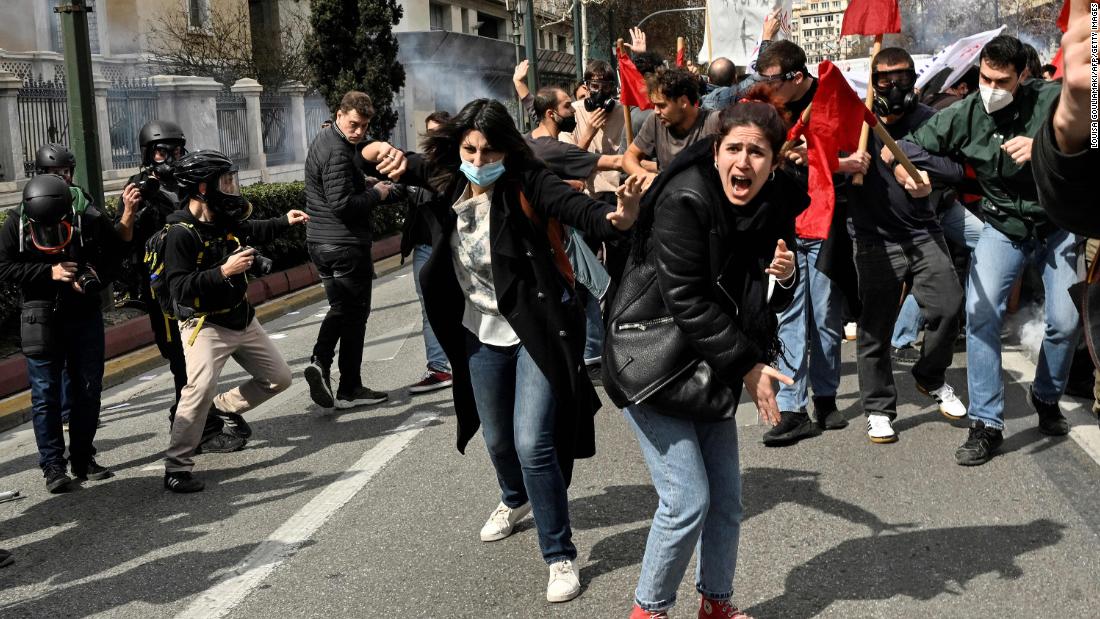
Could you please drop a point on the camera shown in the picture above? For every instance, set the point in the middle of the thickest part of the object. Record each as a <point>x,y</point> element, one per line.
<point>88,281</point>
<point>151,178</point>
<point>261,264</point>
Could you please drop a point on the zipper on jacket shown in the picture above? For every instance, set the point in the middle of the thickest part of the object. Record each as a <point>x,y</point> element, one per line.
<point>645,324</point>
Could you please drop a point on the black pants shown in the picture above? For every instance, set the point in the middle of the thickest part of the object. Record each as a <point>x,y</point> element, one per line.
<point>166,333</point>
<point>347,275</point>
<point>882,269</point>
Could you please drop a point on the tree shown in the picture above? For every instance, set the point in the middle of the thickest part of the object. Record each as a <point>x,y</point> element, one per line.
<point>352,47</point>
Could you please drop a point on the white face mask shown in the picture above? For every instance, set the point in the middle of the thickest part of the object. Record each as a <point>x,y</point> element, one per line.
<point>994,98</point>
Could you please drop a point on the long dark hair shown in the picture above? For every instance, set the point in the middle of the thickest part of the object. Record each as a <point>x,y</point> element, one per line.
<point>491,118</point>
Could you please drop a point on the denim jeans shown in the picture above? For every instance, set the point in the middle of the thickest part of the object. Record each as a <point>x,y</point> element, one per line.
<point>810,330</point>
<point>593,327</point>
<point>518,413</point>
<point>997,262</point>
<point>437,359</point>
<point>82,358</point>
<point>695,470</point>
<point>347,275</point>
<point>882,270</point>
<point>962,228</point>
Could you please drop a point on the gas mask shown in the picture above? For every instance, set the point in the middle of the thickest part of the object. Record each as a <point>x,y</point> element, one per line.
<point>601,94</point>
<point>894,94</point>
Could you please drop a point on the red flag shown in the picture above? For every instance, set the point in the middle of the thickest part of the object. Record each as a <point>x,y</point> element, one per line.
<point>836,120</point>
<point>632,84</point>
<point>871,17</point>
<point>680,57</point>
<point>1063,25</point>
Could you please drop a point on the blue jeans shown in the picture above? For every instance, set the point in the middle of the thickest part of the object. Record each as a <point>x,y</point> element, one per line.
<point>518,413</point>
<point>82,357</point>
<point>810,330</point>
<point>437,359</point>
<point>962,228</point>
<point>593,327</point>
<point>695,470</point>
<point>996,264</point>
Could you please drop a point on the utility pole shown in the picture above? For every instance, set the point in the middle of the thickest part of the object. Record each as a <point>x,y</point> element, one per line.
<point>578,38</point>
<point>83,139</point>
<point>532,45</point>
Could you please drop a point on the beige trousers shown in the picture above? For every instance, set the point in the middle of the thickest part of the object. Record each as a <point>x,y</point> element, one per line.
<point>212,347</point>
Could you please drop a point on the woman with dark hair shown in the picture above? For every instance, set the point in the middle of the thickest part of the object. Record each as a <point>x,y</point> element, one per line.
<point>499,295</point>
<point>694,321</point>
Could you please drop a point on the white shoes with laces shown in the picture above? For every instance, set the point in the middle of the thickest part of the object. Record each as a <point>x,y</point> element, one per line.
<point>502,521</point>
<point>563,584</point>
<point>950,404</point>
<point>879,429</point>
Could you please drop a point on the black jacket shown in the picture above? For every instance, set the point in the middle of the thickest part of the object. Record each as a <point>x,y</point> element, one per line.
<point>199,284</point>
<point>338,201</point>
<point>1066,187</point>
<point>710,258</point>
<point>30,269</point>
<point>530,290</point>
<point>415,230</point>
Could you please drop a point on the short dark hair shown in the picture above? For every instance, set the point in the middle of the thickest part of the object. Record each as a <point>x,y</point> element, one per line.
<point>674,83</point>
<point>970,78</point>
<point>577,87</point>
<point>358,101</point>
<point>1005,51</point>
<point>757,109</point>
<point>597,69</point>
<point>892,56</point>
<point>647,62</point>
<point>1034,65</point>
<point>722,72</point>
<point>546,99</point>
<point>1049,68</point>
<point>438,117</point>
<point>786,55</point>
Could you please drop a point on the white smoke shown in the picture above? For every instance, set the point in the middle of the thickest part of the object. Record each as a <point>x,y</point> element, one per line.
<point>1028,327</point>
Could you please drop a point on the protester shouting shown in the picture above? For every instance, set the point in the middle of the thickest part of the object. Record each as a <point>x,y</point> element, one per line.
<point>710,269</point>
<point>505,311</point>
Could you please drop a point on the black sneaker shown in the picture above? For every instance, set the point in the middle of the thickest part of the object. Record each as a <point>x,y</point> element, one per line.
<point>906,355</point>
<point>91,471</point>
<point>56,479</point>
<point>980,445</point>
<point>320,388</point>
<point>828,417</point>
<point>233,423</point>
<point>221,443</point>
<point>360,397</point>
<point>595,373</point>
<point>792,427</point>
<point>1051,420</point>
<point>5,558</point>
<point>182,482</point>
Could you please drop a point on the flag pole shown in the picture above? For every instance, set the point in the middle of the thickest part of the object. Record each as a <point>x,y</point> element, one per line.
<point>626,108</point>
<point>899,154</point>
<point>865,134</point>
<point>805,118</point>
<point>679,49</point>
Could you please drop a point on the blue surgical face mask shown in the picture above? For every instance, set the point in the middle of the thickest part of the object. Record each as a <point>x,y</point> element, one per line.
<point>485,175</point>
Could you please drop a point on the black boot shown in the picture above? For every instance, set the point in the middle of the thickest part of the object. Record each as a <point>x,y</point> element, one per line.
<point>182,482</point>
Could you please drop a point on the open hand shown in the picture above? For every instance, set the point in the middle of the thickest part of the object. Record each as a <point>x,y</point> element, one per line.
<point>630,197</point>
<point>758,382</point>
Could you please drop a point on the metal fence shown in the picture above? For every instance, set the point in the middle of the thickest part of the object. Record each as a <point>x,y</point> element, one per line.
<point>43,117</point>
<point>232,125</point>
<point>275,122</point>
<point>130,104</point>
<point>317,112</point>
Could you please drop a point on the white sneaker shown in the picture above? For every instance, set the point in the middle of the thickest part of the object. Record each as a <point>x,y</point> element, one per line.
<point>879,429</point>
<point>850,331</point>
<point>564,584</point>
<point>502,521</point>
<point>950,404</point>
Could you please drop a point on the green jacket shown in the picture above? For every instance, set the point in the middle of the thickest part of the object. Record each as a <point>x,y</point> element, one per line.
<point>968,134</point>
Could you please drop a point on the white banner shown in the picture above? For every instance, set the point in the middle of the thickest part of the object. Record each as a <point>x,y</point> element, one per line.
<point>736,26</point>
<point>958,57</point>
<point>858,70</point>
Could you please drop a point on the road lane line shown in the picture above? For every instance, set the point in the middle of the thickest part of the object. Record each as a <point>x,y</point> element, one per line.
<point>281,545</point>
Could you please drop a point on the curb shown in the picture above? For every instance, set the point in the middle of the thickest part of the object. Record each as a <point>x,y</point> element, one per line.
<point>16,409</point>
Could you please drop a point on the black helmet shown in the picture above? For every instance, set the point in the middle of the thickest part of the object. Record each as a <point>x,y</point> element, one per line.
<point>223,190</point>
<point>48,209</point>
<point>156,133</point>
<point>53,156</point>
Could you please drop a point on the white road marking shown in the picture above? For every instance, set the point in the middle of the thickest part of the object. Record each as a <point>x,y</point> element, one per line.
<point>277,336</point>
<point>243,578</point>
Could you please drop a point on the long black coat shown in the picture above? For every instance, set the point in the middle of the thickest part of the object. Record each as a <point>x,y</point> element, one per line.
<point>531,293</point>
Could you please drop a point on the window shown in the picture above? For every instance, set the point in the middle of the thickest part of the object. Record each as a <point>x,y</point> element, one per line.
<point>198,14</point>
<point>439,16</point>
<point>562,45</point>
<point>491,27</point>
<point>466,21</point>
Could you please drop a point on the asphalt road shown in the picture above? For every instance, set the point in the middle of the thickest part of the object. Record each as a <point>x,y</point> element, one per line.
<point>373,513</point>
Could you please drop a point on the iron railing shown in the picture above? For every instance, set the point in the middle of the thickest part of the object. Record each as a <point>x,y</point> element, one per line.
<point>43,117</point>
<point>275,123</point>
<point>317,113</point>
<point>130,104</point>
<point>232,125</point>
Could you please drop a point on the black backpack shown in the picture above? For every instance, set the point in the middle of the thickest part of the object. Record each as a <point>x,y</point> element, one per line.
<point>154,262</point>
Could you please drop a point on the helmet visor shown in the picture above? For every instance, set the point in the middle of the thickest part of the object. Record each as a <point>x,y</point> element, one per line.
<point>230,183</point>
<point>51,238</point>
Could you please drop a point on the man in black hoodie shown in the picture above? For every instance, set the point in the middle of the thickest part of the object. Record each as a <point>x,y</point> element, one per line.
<point>206,261</point>
<point>340,204</point>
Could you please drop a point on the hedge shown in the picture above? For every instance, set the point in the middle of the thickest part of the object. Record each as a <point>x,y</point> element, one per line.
<point>268,200</point>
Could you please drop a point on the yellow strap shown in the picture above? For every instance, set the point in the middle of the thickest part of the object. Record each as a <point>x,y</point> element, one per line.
<point>195,333</point>
<point>167,327</point>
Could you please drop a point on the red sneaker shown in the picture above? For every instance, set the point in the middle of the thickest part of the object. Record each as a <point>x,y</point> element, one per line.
<point>720,609</point>
<point>638,613</point>
<point>431,382</point>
